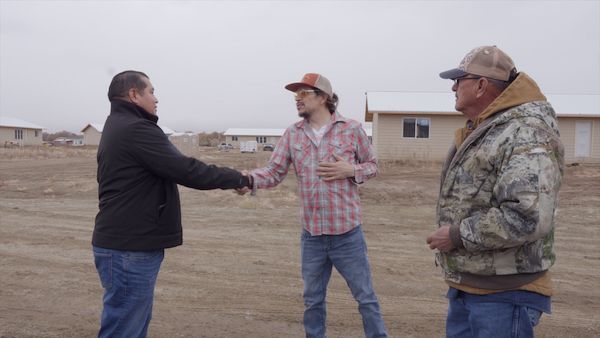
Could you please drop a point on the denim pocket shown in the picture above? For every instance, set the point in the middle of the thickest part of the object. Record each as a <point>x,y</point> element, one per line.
<point>103,262</point>
<point>534,316</point>
<point>142,269</point>
<point>305,234</point>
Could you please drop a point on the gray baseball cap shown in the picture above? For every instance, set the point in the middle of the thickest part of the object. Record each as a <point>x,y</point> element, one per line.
<point>486,61</point>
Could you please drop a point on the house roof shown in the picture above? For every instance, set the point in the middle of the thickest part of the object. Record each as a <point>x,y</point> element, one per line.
<point>575,105</point>
<point>17,123</point>
<point>584,105</point>
<point>100,126</point>
<point>97,126</point>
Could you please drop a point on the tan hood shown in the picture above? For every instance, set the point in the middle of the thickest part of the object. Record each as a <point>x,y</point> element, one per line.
<point>522,90</point>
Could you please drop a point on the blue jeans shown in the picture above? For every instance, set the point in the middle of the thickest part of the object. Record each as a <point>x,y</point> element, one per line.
<point>348,253</point>
<point>505,314</point>
<point>128,279</point>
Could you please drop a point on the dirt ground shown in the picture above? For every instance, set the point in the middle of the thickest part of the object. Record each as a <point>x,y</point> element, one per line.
<point>238,272</point>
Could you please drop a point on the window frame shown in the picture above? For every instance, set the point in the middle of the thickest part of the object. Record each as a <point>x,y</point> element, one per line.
<point>416,127</point>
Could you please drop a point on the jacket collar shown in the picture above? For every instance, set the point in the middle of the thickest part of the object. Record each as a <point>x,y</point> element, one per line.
<point>122,106</point>
<point>522,90</point>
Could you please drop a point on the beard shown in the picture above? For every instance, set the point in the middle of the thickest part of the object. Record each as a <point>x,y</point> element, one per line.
<point>303,114</point>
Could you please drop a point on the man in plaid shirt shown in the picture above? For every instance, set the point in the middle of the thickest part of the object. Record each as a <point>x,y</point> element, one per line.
<point>331,156</point>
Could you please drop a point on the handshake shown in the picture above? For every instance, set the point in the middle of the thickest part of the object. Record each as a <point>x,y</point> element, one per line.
<point>248,188</point>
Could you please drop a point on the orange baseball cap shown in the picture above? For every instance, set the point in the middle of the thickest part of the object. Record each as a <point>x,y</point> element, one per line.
<point>313,80</point>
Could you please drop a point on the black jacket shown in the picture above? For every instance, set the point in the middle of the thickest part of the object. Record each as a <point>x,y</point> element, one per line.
<point>138,172</point>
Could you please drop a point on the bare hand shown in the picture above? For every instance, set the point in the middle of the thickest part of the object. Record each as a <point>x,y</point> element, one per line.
<point>242,191</point>
<point>338,170</point>
<point>440,239</point>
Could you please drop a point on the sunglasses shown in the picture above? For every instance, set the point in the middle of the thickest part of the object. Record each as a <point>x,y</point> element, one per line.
<point>302,93</point>
<point>457,80</point>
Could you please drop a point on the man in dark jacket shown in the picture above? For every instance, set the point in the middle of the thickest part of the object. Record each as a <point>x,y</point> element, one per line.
<point>140,214</point>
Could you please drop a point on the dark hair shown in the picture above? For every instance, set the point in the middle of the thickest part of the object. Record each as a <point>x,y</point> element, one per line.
<point>124,81</point>
<point>332,101</point>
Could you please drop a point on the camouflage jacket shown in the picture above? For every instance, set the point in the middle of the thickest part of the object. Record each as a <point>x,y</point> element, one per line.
<point>499,193</point>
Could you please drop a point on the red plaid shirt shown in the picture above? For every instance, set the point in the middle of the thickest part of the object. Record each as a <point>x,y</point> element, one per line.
<point>330,208</point>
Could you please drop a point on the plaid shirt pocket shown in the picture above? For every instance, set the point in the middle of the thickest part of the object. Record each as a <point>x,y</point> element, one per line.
<point>345,150</point>
<point>302,158</point>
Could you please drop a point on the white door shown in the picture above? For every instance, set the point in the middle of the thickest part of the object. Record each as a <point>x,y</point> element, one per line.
<point>583,138</point>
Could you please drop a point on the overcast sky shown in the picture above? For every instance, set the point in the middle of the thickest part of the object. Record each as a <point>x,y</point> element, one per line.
<point>222,64</point>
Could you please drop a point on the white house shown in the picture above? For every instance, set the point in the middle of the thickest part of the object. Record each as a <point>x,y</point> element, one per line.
<point>262,136</point>
<point>92,133</point>
<point>409,125</point>
<point>15,131</point>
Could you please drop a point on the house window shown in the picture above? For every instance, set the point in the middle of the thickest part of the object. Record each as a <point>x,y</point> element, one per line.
<point>234,138</point>
<point>37,133</point>
<point>261,139</point>
<point>18,134</point>
<point>415,128</point>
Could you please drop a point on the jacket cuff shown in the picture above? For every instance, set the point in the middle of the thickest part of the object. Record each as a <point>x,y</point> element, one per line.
<point>245,181</point>
<point>455,236</point>
<point>358,177</point>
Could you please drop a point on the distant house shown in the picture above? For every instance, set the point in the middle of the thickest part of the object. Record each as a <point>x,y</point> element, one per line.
<point>92,132</point>
<point>263,136</point>
<point>64,141</point>
<point>421,125</point>
<point>15,131</point>
<point>184,141</point>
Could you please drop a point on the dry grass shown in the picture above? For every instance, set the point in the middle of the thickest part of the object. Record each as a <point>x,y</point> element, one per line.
<point>45,152</point>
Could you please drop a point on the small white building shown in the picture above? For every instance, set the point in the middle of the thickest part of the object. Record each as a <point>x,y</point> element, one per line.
<point>262,136</point>
<point>185,142</point>
<point>15,131</point>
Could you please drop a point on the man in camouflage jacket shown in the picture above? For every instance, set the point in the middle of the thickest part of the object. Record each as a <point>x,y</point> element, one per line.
<point>498,198</point>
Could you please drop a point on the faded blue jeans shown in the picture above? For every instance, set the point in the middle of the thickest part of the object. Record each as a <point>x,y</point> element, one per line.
<point>128,279</point>
<point>348,253</point>
<point>508,314</point>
